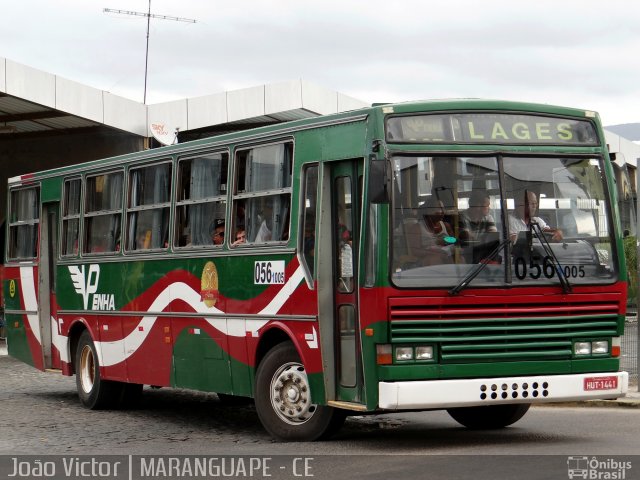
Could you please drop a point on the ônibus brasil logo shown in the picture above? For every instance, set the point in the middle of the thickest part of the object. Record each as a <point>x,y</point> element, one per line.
<point>596,469</point>
<point>85,281</point>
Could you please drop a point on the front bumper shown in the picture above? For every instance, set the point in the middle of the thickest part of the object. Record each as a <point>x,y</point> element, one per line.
<point>434,394</point>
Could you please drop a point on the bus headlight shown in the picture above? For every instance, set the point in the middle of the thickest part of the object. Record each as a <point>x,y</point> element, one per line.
<point>424,352</point>
<point>404,353</point>
<point>599,347</point>
<point>582,348</point>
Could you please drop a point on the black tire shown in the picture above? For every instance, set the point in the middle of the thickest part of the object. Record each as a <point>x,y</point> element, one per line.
<point>490,417</point>
<point>94,392</point>
<point>283,400</point>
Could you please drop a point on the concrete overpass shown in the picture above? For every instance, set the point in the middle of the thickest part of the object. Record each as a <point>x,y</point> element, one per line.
<point>48,121</point>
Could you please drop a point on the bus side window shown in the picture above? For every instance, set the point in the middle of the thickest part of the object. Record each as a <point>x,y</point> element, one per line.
<point>343,234</point>
<point>201,198</point>
<point>24,223</point>
<point>308,246</point>
<point>71,217</point>
<point>263,185</point>
<point>148,209</point>
<point>103,212</point>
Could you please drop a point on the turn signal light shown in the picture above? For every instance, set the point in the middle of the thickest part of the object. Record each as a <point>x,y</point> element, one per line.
<point>615,346</point>
<point>383,355</point>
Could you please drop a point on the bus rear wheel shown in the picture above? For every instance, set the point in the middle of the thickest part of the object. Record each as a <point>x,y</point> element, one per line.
<point>490,417</point>
<point>283,399</point>
<point>94,392</point>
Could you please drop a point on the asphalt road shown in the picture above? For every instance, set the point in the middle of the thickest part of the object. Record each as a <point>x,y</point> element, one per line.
<point>40,415</point>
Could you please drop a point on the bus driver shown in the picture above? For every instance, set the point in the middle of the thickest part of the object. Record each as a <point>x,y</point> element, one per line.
<point>524,214</point>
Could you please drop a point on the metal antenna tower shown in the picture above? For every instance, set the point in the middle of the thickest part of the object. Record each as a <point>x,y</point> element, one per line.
<point>149,16</point>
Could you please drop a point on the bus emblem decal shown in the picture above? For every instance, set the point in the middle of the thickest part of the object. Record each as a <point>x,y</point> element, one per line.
<point>209,285</point>
<point>85,286</point>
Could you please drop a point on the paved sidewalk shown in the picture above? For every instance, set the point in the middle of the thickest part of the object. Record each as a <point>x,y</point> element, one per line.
<point>632,400</point>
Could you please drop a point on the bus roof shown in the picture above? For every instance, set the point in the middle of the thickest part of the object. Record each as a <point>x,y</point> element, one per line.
<point>435,105</point>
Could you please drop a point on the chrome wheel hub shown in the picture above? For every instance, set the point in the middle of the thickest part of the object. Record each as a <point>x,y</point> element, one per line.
<point>290,396</point>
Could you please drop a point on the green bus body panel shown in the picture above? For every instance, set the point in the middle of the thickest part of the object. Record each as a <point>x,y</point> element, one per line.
<point>332,143</point>
<point>51,190</point>
<point>11,302</point>
<point>200,363</point>
<point>17,344</point>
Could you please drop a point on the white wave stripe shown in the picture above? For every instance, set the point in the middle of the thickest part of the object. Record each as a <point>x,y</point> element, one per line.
<point>59,341</point>
<point>285,292</point>
<point>28,290</point>
<point>111,353</point>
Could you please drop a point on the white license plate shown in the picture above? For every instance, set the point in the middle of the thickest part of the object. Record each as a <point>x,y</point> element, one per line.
<point>600,383</point>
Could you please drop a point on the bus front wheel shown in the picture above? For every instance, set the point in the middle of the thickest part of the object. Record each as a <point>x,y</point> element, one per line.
<point>489,417</point>
<point>283,399</point>
<point>94,392</point>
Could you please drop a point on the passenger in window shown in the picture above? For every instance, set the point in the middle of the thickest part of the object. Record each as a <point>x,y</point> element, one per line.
<point>437,228</point>
<point>476,227</point>
<point>525,214</point>
<point>144,240</point>
<point>266,219</point>
<point>217,232</point>
<point>477,220</point>
<point>241,237</point>
<point>438,239</point>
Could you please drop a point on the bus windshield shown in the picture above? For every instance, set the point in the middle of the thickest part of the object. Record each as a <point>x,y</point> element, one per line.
<point>532,220</point>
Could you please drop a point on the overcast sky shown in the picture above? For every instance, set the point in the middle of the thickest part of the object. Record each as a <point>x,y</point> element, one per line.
<point>581,54</point>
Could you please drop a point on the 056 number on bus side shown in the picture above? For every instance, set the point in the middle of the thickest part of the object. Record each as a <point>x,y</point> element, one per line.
<point>535,269</point>
<point>268,272</point>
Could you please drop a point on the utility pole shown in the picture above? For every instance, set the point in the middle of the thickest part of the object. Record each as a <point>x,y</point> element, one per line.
<point>149,16</point>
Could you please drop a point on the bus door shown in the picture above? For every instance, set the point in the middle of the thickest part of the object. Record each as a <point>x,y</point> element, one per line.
<point>47,282</point>
<point>345,212</point>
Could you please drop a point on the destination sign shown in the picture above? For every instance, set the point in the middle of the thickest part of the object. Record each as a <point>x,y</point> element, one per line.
<point>501,128</point>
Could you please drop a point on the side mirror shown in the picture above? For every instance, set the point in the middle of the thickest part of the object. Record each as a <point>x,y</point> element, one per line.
<point>379,180</point>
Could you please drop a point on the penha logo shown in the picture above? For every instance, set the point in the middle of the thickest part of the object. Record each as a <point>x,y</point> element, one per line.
<point>86,284</point>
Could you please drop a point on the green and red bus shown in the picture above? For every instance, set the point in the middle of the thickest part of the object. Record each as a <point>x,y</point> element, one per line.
<point>333,266</point>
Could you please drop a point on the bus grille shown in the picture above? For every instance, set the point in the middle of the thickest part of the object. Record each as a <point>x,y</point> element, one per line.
<point>476,333</point>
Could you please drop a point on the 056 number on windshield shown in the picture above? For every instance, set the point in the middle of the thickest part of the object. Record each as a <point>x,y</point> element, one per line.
<point>546,269</point>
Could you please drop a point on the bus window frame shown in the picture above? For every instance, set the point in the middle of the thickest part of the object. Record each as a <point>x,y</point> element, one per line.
<point>271,192</point>
<point>189,156</point>
<point>97,213</point>
<point>309,270</point>
<point>32,221</point>
<point>65,218</point>
<point>128,209</point>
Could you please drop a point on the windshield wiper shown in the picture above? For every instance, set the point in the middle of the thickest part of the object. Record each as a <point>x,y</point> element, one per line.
<point>478,268</point>
<point>564,281</point>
